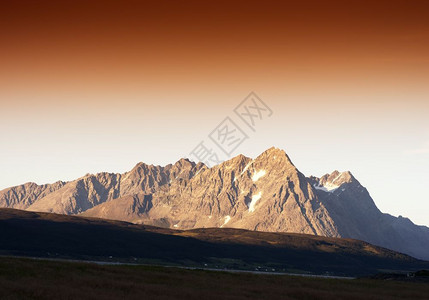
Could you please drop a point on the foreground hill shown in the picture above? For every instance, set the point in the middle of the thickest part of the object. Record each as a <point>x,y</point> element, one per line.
<point>267,193</point>
<point>41,279</point>
<point>59,236</point>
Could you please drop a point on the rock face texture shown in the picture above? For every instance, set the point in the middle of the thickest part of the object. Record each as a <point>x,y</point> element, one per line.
<point>267,193</point>
<point>22,196</point>
<point>92,190</point>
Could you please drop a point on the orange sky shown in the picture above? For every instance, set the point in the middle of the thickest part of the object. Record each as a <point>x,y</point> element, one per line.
<point>135,45</point>
<point>89,86</point>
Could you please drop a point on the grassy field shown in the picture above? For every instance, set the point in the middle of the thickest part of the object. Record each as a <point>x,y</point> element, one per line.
<point>40,279</point>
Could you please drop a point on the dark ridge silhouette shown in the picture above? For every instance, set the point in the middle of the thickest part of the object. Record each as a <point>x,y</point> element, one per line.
<point>50,235</point>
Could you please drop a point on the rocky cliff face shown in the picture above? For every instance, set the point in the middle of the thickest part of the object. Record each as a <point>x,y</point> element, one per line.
<point>22,196</point>
<point>92,190</point>
<point>267,193</point>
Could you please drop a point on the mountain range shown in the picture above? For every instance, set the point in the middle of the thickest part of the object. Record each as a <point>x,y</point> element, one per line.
<point>267,194</point>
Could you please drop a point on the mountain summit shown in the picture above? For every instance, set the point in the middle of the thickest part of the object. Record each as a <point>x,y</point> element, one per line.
<point>267,193</point>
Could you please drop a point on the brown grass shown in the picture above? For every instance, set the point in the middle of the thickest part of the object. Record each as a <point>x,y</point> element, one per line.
<point>38,279</point>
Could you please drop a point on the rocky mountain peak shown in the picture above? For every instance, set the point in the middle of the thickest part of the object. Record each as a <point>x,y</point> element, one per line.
<point>24,195</point>
<point>331,182</point>
<point>184,162</point>
<point>338,178</point>
<point>275,155</point>
<point>237,163</point>
<point>183,169</point>
<point>145,167</point>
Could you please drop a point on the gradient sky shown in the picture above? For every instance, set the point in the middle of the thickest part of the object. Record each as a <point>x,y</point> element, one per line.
<point>90,86</point>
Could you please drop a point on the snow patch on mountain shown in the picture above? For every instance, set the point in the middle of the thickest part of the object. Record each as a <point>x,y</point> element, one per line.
<point>328,187</point>
<point>246,167</point>
<point>255,199</point>
<point>259,174</point>
<point>227,219</point>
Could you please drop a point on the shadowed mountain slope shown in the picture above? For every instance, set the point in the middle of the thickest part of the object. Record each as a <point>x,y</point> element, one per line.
<point>60,236</point>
